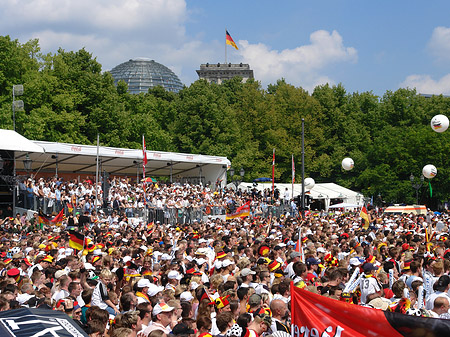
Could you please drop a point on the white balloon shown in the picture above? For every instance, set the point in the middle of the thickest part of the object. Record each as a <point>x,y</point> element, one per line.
<point>347,164</point>
<point>439,123</point>
<point>429,171</point>
<point>309,183</point>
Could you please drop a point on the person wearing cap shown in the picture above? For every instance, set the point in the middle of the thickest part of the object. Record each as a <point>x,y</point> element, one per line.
<point>246,275</point>
<point>369,283</point>
<point>294,257</point>
<point>162,318</point>
<point>174,280</point>
<point>142,290</point>
<point>43,263</point>
<point>312,265</point>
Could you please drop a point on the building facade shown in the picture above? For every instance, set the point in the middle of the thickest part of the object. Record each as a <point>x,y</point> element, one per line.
<point>219,72</point>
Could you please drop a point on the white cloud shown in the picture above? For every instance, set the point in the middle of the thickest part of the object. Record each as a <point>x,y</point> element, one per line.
<point>439,44</point>
<point>115,31</point>
<point>301,65</point>
<point>424,84</point>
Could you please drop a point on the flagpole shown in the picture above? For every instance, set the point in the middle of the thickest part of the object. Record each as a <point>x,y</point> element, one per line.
<point>303,167</point>
<point>96,173</point>
<point>273,175</point>
<point>293,177</point>
<point>144,162</point>
<point>225,45</point>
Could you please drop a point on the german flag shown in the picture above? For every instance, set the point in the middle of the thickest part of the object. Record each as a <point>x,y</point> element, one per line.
<point>55,221</point>
<point>203,295</point>
<point>229,40</point>
<point>365,216</point>
<point>76,240</point>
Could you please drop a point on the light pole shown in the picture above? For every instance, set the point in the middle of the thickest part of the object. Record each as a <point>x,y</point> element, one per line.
<point>237,182</point>
<point>55,156</point>
<point>416,186</point>
<point>16,105</point>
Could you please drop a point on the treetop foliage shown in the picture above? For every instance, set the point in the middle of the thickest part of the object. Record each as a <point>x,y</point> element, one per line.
<point>69,99</point>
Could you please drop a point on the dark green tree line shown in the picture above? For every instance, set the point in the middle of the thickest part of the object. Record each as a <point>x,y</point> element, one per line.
<point>69,99</point>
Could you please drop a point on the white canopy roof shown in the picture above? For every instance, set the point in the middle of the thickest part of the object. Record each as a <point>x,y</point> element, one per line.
<point>321,191</point>
<point>81,159</point>
<point>12,141</point>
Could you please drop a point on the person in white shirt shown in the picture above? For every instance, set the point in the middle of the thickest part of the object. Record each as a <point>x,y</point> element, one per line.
<point>368,283</point>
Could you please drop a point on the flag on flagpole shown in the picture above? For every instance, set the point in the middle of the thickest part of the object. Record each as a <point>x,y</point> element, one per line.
<point>229,40</point>
<point>365,217</point>
<point>273,171</point>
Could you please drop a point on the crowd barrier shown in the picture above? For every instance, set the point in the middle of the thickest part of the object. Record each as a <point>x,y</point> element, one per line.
<point>165,215</point>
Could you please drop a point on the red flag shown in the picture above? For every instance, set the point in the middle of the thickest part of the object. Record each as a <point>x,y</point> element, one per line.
<point>144,152</point>
<point>273,171</point>
<point>315,315</point>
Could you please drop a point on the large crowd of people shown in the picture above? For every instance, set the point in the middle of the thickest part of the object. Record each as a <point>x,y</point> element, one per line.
<point>217,277</point>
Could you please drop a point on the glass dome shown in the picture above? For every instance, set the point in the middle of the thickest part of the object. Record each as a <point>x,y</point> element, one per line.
<point>140,74</point>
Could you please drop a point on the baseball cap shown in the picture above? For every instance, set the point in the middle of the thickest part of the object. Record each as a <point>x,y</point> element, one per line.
<point>144,283</point>
<point>295,254</point>
<point>174,275</point>
<point>186,296</point>
<point>369,267</point>
<point>354,261</point>
<point>226,263</point>
<point>60,273</point>
<point>312,261</point>
<point>153,289</point>
<point>247,271</point>
<point>161,307</point>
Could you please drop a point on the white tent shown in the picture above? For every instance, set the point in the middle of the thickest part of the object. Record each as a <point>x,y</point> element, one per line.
<point>12,141</point>
<point>328,192</point>
<point>81,159</point>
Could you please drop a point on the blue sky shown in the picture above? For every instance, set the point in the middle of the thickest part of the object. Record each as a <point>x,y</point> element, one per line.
<point>366,46</point>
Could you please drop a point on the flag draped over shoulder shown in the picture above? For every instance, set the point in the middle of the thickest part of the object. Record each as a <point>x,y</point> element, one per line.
<point>363,214</point>
<point>55,221</point>
<point>240,212</point>
<point>76,240</point>
<point>229,40</point>
<point>315,315</point>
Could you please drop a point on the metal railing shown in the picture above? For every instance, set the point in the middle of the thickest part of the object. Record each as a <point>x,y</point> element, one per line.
<point>165,215</point>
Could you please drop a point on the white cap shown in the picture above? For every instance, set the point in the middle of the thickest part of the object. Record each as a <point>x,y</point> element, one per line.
<point>89,266</point>
<point>186,296</point>
<point>143,283</point>
<point>194,285</point>
<point>321,250</point>
<point>218,264</point>
<point>200,261</point>
<point>354,261</point>
<point>153,289</point>
<point>227,263</point>
<point>126,259</point>
<point>161,307</point>
<point>174,275</point>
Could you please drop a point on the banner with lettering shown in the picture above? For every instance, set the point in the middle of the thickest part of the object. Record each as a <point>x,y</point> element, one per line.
<point>313,315</point>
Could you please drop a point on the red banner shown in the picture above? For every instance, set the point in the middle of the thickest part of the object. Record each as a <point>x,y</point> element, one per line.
<point>314,315</point>
<point>318,316</point>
